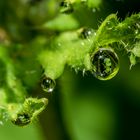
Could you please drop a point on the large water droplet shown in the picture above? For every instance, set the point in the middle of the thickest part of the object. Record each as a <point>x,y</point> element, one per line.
<point>22,119</point>
<point>66,7</point>
<point>105,64</point>
<point>48,84</point>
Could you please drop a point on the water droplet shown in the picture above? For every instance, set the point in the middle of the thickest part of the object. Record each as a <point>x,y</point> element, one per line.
<point>86,33</point>
<point>48,84</point>
<point>22,119</point>
<point>66,7</point>
<point>105,64</point>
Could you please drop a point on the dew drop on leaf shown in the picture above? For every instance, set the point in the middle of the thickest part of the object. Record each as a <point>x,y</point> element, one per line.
<point>22,119</point>
<point>105,64</point>
<point>47,84</point>
<point>66,7</point>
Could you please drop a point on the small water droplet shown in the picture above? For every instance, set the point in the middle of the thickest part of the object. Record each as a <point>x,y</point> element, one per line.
<point>48,84</point>
<point>22,119</point>
<point>86,33</point>
<point>105,64</point>
<point>66,7</point>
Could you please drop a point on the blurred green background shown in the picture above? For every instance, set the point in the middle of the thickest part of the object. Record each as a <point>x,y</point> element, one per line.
<point>81,108</point>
